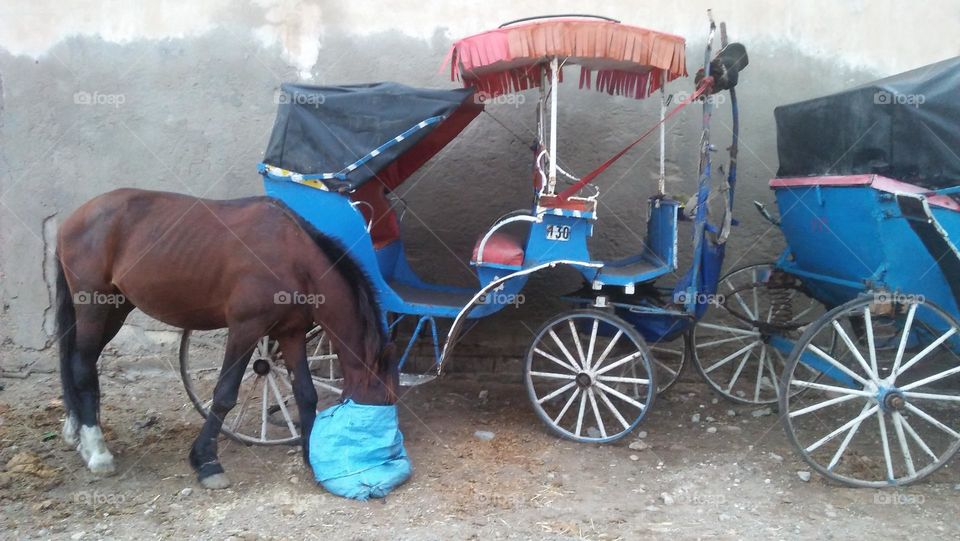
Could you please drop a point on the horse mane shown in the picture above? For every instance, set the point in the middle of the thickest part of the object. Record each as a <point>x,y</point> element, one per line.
<point>375,340</point>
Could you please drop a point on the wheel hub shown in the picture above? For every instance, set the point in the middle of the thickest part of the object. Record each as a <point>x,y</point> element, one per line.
<point>895,401</point>
<point>261,367</point>
<point>583,380</point>
<point>891,400</point>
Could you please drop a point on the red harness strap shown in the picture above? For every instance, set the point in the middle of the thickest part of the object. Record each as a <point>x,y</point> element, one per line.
<point>705,85</point>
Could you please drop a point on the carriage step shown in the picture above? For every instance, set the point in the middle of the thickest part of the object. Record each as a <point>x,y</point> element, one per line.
<point>412,380</point>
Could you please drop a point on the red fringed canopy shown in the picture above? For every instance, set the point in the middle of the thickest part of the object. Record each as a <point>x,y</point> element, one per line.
<point>614,58</point>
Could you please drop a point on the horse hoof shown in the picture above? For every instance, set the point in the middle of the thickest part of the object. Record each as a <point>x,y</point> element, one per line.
<point>217,481</point>
<point>101,465</point>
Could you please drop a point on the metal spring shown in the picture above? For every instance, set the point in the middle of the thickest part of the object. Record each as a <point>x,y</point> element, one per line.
<point>781,307</point>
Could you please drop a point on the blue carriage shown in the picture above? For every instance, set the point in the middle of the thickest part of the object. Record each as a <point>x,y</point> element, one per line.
<point>853,330</point>
<point>337,154</point>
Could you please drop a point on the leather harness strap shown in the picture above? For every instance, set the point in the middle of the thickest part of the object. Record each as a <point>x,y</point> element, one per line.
<point>705,85</point>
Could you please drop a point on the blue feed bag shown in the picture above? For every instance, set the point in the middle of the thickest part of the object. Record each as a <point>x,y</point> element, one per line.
<point>356,450</point>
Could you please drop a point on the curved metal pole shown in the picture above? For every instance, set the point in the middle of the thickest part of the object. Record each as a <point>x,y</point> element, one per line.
<point>561,15</point>
<point>492,230</point>
<point>735,143</point>
<point>358,204</point>
<point>704,182</point>
<point>461,316</point>
<point>543,176</point>
<point>731,182</point>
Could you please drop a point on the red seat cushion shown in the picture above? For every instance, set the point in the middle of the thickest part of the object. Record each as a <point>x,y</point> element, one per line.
<point>501,248</point>
<point>554,202</point>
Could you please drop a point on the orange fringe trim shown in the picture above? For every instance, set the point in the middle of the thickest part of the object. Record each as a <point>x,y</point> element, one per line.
<point>628,61</point>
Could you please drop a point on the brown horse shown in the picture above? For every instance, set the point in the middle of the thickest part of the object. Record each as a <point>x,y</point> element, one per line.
<point>201,264</point>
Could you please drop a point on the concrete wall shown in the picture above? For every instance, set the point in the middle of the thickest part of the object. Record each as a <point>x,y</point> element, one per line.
<point>180,96</point>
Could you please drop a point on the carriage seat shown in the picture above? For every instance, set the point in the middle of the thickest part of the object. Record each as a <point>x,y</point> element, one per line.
<point>501,249</point>
<point>573,203</point>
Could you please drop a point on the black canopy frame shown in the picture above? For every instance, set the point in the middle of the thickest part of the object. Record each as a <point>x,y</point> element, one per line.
<point>905,127</point>
<point>344,136</point>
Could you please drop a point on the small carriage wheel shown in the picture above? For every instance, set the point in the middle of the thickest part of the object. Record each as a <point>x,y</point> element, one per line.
<point>885,412</point>
<point>266,412</point>
<point>669,359</point>
<point>589,376</point>
<point>732,351</point>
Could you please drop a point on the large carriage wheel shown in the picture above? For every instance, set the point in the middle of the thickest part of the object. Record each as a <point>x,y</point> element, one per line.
<point>887,409</point>
<point>589,376</point>
<point>731,345</point>
<point>266,412</point>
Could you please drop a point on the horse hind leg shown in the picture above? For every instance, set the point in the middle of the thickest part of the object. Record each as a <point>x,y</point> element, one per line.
<point>96,326</point>
<point>71,424</point>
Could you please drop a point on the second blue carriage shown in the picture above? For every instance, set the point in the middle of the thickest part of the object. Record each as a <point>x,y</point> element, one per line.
<point>852,332</point>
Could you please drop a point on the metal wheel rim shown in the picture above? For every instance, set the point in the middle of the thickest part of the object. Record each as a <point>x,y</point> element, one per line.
<point>600,393</point>
<point>751,356</point>
<point>899,443</point>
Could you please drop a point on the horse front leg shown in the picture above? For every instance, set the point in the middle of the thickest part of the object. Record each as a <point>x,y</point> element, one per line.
<point>203,454</point>
<point>294,352</point>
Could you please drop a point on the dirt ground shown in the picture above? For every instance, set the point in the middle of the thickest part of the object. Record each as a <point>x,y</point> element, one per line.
<point>739,481</point>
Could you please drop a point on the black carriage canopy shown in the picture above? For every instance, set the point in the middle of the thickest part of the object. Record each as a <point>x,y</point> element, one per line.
<point>351,134</point>
<point>905,127</point>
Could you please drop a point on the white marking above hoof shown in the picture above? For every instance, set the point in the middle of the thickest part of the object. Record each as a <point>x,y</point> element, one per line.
<point>94,451</point>
<point>71,429</point>
<point>217,481</point>
<point>102,465</point>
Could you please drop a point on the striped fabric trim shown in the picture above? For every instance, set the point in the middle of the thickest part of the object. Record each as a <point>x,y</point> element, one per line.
<point>276,172</point>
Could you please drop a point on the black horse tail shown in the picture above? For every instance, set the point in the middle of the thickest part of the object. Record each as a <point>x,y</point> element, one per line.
<point>67,338</point>
<point>373,342</point>
<point>375,336</point>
